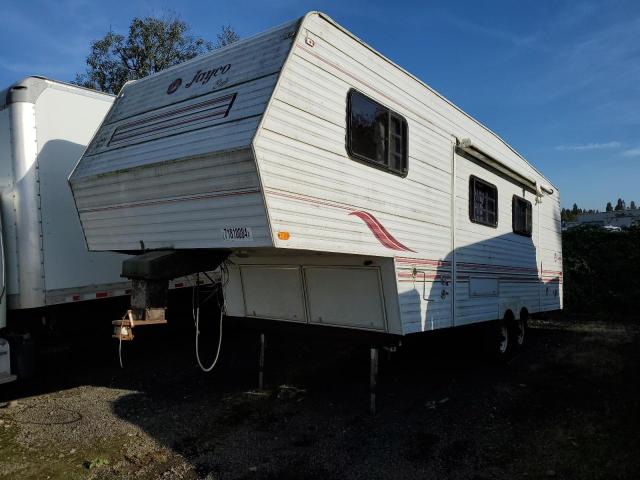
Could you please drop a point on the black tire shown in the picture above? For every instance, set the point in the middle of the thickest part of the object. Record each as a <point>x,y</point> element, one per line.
<point>498,339</point>
<point>518,333</point>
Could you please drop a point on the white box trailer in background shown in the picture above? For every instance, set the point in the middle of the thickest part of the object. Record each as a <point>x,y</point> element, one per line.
<point>337,188</point>
<point>44,128</point>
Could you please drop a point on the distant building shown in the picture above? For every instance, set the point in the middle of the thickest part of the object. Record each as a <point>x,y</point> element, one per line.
<point>617,218</point>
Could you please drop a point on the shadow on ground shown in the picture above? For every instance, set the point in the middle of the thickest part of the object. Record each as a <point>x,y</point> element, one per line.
<point>566,407</point>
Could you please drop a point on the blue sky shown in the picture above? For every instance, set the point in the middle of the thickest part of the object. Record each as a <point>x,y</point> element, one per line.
<point>558,80</point>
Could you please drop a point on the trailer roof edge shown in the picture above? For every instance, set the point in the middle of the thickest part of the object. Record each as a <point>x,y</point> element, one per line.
<point>29,89</point>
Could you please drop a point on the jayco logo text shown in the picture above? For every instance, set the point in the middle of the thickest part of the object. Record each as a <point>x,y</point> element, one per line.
<point>202,77</point>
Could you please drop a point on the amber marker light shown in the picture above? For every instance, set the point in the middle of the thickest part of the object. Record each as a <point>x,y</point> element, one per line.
<point>283,235</point>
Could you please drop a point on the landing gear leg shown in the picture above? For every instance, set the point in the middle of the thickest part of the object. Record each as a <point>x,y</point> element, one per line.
<point>263,345</point>
<point>373,380</point>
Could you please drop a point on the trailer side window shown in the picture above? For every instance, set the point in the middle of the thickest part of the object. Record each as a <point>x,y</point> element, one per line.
<point>376,135</point>
<point>483,202</point>
<point>521,216</point>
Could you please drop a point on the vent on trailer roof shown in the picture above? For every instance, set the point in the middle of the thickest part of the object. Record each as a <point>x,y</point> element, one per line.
<point>171,122</point>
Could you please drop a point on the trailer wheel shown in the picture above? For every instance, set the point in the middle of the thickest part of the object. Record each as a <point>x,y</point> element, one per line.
<point>498,340</point>
<point>519,332</point>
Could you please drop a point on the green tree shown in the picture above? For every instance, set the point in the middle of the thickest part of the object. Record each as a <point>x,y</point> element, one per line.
<point>632,205</point>
<point>227,36</point>
<point>620,205</point>
<point>609,207</point>
<point>152,44</point>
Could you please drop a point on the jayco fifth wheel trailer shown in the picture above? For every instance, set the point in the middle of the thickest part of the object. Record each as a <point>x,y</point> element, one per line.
<point>336,188</point>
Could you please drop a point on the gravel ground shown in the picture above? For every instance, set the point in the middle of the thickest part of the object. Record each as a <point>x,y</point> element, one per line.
<point>568,406</point>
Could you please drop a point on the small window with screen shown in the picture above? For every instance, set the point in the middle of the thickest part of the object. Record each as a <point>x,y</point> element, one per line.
<point>522,216</point>
<point>483,202</point>
<point>376,135</point>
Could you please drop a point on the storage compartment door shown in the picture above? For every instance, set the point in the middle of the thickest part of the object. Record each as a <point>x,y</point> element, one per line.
<point>345,296</point>
<point>273,292</point>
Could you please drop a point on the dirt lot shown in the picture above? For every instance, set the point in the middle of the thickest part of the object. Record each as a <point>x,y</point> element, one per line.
<point>566,407</point>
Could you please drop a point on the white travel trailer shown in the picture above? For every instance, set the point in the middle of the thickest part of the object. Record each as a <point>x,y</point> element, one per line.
<point>337,188</point>
<point>44,128</point>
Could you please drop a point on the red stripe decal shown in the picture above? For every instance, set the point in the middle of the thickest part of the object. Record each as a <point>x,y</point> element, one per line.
<point>381,233</point>
<point>422,261</point>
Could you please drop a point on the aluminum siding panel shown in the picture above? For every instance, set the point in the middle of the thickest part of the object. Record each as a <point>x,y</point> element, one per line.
<point>171,209</point>
<point>494,253</point>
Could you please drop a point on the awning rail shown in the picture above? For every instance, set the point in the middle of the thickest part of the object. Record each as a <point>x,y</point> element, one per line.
<point>467,146</point>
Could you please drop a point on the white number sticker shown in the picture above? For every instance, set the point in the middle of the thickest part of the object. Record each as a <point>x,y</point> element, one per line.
<point>237,233</point>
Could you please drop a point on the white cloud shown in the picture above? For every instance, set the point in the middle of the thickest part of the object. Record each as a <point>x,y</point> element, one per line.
<point>589,146</point>
<point>516,39</point>
<point>633,152</point>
